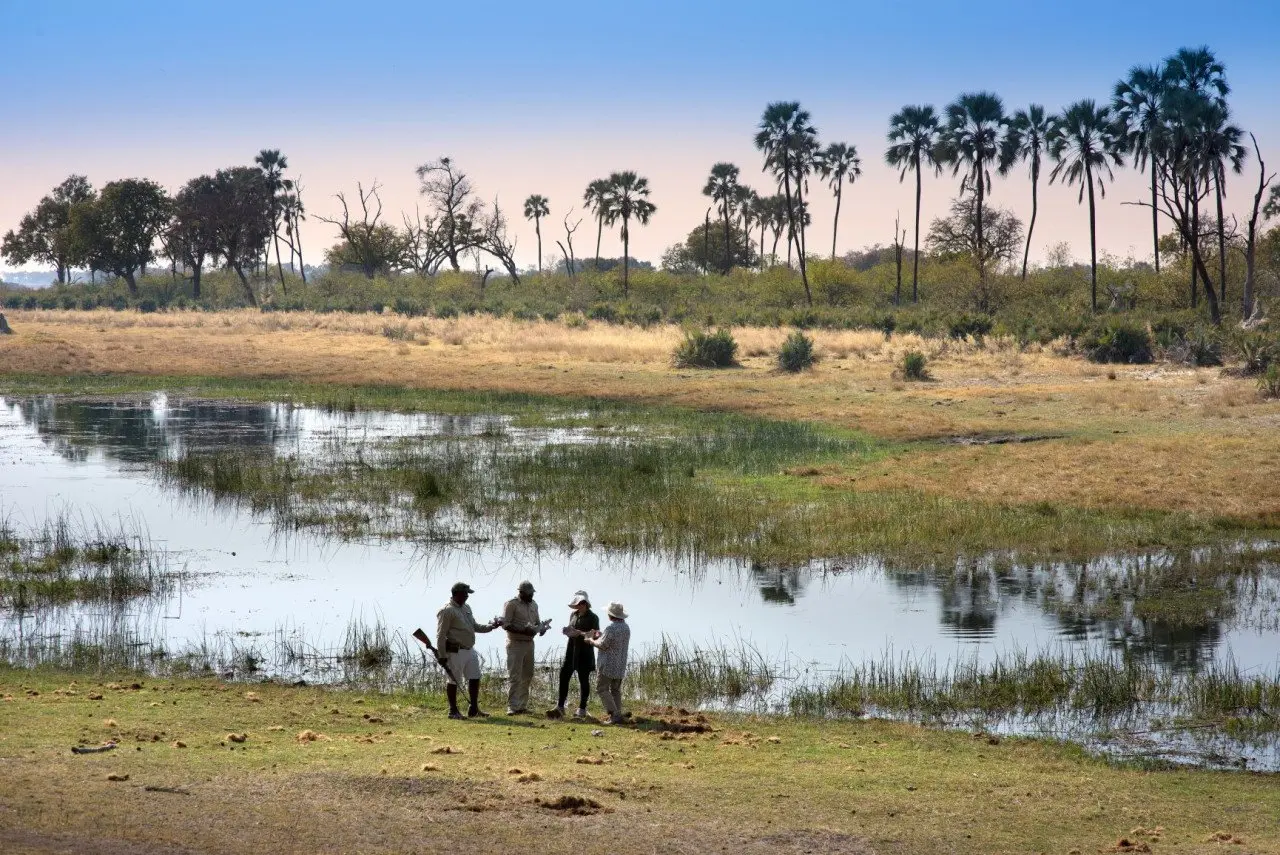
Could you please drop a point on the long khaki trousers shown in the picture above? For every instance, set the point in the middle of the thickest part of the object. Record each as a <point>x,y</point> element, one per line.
<point>610,691</point>
<point>520,670</point>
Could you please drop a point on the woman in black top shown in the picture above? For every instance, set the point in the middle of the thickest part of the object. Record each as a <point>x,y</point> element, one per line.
<point>579,657</point>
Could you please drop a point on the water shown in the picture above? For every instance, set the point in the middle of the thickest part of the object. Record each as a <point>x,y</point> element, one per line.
<point>243,578</point>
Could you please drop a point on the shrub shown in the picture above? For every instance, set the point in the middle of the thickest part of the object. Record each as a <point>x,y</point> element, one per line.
<point>796,353</point>
<point>970,326</point>
<point>915,366</point>
<point>1257,353</point>
<point>603,312</point>
<point>1118,341</point>
<point>1203,347</point>
<point>706,350</point>
<point>147,305</point>
<point>1269,382</point>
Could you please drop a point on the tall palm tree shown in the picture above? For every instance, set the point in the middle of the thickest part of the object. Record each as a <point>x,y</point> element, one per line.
<point>786,138</point>
<point>273,164</point>
<point>722,186</point>
<point>1026,139</point>
<point>1137,103</point>
<point>1198,76</point>
<point>535,208</point>
<point>744,201</point>
<point>913,136</point>
<point>594,197</point>
<point>1084,144</point>
<point>1220,146</point>
<point>835,163</point>
<point>971,141</point>
<point>626,198</point>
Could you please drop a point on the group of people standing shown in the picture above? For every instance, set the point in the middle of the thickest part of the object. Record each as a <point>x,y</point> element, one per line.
<point>456,629</point>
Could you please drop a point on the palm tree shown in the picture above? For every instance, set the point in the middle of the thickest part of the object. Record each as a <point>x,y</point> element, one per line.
<point>971,140</point>
<point>535,208</point>
<point>1138,105</point>
<point>835,163</point>
<point>722,186</point>
<point>1084,143</point>
<point>594,200</point>
<point>1219,146</point>
<point>786,137</point>
<point>913,135</point>
<point>1198,76</point>
<point>744,201</point>
<point>626,197</point>
<point>273,164</point>
<point>1026,139</point>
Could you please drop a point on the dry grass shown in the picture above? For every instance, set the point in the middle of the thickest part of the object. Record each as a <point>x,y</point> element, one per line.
<point>748,786</point>
<point>1154,437</point>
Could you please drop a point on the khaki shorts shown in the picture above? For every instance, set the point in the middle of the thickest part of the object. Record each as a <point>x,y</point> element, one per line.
<point>466,664</point>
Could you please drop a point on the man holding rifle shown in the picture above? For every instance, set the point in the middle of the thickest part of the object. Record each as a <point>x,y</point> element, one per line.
<point>456,630</point>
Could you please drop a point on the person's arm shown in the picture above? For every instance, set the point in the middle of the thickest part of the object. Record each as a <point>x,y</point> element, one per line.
<point>603,642</point>
<point>443,622</point>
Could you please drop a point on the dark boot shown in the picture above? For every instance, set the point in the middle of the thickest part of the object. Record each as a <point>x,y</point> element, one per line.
<point>473,691</point>
<point>451,692</point>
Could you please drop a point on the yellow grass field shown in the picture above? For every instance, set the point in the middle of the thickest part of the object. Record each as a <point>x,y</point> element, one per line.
<point>1160,437</point>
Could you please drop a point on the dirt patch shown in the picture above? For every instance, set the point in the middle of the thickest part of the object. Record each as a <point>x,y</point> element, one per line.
<point>572,805</point>
<point>798,842</point>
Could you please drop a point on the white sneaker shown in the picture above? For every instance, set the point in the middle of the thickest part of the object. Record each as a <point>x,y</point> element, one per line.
<point>580,712</point>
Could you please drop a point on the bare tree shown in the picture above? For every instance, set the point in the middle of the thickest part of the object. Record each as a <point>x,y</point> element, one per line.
<point>495,239</point>
<point>568,236</point>
<point>367,242</point>
<point>1251,239</point>
<point>456,209</point>
<point>899,238</point>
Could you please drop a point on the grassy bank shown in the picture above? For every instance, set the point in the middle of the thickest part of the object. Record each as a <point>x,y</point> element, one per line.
<point>1152,438</point>
<point>326,770</point>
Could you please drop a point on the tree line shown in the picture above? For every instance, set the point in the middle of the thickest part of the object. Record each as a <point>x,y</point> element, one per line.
<point>1171,120</point>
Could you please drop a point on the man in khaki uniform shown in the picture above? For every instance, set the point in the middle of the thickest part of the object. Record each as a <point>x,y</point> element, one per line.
<point>520,620</point>
<point>456,630</point>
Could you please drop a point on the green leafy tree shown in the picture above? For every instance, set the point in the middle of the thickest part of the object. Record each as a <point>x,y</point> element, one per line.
<point>241,221</point>
<point>1085,144</point>
<point>695,253</point>
<point>627,199</point>
<point>971,142</point>
<point>913,138</point>
<point>118,231</point>
<point>594,199</point>
<point>723,187</point>
<point>190,238</point>
<point>1137,103</point>
<point>45,234</point>
<point>1025,140</point>
<point>837,163</point>
<point>787,139</point>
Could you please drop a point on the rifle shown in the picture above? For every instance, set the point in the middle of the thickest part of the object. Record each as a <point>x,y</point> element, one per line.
<point>444,663</point>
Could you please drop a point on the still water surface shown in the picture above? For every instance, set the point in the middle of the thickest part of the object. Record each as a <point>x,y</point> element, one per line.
<point>243,577</point>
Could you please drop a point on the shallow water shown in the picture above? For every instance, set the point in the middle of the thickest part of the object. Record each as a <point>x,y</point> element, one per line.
<point>245,578</point>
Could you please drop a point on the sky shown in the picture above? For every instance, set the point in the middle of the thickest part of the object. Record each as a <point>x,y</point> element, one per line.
<point>545,97</point>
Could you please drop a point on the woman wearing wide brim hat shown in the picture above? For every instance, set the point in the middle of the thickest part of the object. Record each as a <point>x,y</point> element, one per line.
<point>579,656</point>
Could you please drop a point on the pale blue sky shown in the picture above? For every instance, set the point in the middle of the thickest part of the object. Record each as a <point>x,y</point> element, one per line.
<point>545,97</point>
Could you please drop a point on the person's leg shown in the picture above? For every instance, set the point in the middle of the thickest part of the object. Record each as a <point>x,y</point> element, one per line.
<point>526,677</point>
<point>566,672</point>
<point>472,673</point>
<point>614,688</point>
<point>451,692</point>
<point>584,689</point>
<point>513,676</point>
<point>602,689</point>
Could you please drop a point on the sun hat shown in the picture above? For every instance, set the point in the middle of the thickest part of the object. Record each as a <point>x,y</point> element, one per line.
<point>579,597</point>
<point>616,611</point>
<point>461,588</point>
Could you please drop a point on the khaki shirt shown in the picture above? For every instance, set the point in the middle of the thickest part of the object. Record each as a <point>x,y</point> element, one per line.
<point>455,623</point>
<point>517,614</point>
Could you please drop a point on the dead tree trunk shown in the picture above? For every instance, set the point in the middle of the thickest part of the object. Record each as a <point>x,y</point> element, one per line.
<point>1251,238</point>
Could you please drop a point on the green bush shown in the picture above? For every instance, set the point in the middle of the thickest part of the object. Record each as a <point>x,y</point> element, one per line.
<point>915,366</point>
<point>147,305</point>
<point>970,326</point>
<point>706,350</point>
<point>1118,341</point>
<point>796,353</point>
<point>1257,353</point>
<point>1269,382</point>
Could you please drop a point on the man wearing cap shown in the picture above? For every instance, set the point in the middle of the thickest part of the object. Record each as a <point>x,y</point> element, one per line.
<point>456,630</point>
<point>611,664</point>
<point>520,620</point>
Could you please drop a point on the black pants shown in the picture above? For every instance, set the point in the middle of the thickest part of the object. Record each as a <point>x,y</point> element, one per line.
<point>584,683</point>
